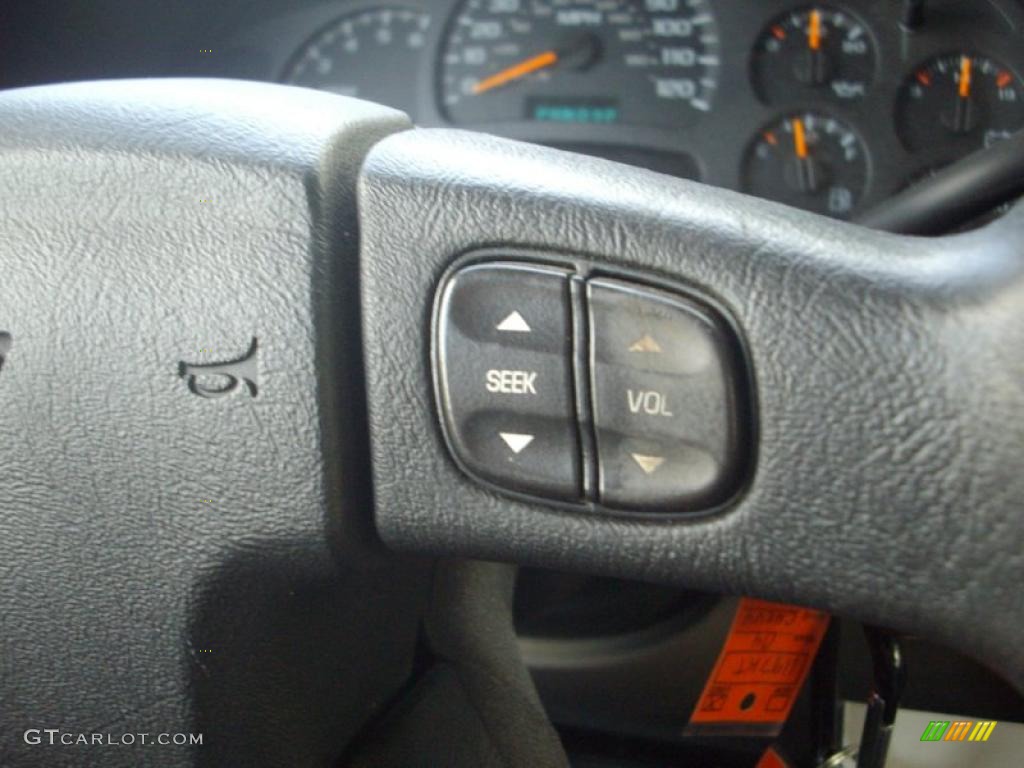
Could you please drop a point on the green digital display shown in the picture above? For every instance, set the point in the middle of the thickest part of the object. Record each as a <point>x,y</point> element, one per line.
<point>577,111</point>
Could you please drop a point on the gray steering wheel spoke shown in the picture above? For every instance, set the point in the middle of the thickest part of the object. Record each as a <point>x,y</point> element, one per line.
<point>887,387</point>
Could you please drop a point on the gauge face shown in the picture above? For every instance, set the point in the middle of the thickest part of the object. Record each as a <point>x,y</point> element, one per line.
<point>958,103</point>
<point>373,54</point>
<point>641,62</point>
<point>813,53</point>
<point>808,160</point>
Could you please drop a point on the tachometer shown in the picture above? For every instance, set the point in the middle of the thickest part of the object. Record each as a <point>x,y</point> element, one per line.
<point>648,62</point>
<point>373,54</point>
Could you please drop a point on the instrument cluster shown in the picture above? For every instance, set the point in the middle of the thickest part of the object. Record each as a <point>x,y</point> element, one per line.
<point>831,107</point>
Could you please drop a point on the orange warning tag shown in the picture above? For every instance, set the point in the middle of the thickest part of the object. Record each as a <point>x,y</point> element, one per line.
<point>762,666</point>
<point>771,759</point>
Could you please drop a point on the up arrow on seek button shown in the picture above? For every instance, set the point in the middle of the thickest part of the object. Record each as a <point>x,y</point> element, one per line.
<point>516,441</point>
<point>514,323</point>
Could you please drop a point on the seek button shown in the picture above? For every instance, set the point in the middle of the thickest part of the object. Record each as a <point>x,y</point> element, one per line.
<point>504,343</point>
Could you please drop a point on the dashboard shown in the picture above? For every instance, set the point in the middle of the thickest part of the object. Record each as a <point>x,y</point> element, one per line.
<point>831,107</point>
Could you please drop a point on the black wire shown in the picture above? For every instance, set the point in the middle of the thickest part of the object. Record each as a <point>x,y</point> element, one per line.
<point>913,14</point>
<point>955,195</point>
<point>889,676</point>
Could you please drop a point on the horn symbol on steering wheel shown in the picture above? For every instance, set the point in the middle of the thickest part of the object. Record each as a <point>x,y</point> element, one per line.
<point>234,373</point>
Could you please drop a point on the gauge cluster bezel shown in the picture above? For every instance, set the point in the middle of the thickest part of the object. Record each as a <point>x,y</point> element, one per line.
<point>717,141</point>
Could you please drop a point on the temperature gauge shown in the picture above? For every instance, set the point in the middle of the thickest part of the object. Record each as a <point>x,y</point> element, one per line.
<point>808,160</point>
<point>959,103</point>
<point>813,53</point>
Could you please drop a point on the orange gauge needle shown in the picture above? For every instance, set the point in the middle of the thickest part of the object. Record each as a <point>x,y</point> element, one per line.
<point>523,68</point>
<point>814,31</point>
<point>799,139</point>
<point>965,76</point>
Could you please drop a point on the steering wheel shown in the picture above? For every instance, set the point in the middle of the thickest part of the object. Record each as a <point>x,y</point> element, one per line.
<point>228,474</point>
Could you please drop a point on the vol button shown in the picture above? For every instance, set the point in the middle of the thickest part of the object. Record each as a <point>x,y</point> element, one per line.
<point>649,464</point>
<point>648,401</point>
<point>664,398</point>
<point>646,344</point>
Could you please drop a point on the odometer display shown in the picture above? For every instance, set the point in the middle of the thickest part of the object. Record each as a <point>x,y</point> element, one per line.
<point>640,62</point>
<point>570,110</point>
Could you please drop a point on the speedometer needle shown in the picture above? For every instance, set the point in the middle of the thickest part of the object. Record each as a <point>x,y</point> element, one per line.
<point>516,71</point>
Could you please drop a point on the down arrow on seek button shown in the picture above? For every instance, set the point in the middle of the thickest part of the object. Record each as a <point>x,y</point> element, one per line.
<point>516,441</point>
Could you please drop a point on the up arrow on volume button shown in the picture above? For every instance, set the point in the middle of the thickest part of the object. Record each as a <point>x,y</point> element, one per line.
<point>514,323</point>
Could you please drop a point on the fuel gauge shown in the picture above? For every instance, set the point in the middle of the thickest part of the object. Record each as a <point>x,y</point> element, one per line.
<point>808,160</point>
<point>813,53</point>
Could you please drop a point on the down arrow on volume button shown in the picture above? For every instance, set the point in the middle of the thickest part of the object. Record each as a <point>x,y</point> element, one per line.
<point>504,377</point>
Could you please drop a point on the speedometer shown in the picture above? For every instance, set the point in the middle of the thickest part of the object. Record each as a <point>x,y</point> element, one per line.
<point>641,62</point>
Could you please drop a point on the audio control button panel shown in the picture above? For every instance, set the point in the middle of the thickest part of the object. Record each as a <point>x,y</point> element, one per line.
<point>503,360</point>
<point>567,384</point>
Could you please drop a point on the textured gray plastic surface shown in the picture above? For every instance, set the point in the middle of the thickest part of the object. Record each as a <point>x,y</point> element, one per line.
<point>889,382</point>
<point>172,563</point>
